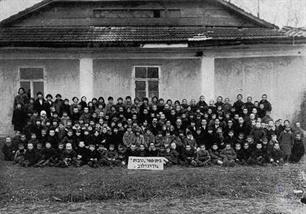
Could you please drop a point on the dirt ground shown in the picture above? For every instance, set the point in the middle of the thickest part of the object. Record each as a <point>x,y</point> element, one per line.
<point>174,190</point>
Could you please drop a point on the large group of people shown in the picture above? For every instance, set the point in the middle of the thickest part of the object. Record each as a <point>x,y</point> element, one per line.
<point>60,133</point>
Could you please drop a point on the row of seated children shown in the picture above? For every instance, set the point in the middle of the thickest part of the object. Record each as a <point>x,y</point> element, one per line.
<point>175,153</point>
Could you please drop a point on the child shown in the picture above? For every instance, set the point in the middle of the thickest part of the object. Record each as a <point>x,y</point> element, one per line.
<point>229,155</point>
<point>286,141</point>
<point>239,153</point>
<point>19,155</point>
<point>30,157</point>
<point>190,140</point>
<point>298,149</point>
<point>246,153</point>
<point>129,137</point>
<point>173,154</point>
<point>152,151</point>
<point>33,139</point>
<point>8,149</point>
<point>59,152</point>
<point>93,156</point>
<point>82,154</point>
<point>52,138</point>
<point>142,151</point>
<point>48,155</point>
<point>202,157</point>
<point>112,156</point>
<point>215,155</point>
<point>122,158</point>
<point>188,156</point>
<point>257,157</point>
<point>69,156</point>
<point>277,155</point>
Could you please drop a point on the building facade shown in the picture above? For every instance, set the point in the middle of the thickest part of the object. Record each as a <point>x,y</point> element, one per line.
<point>168,48</point>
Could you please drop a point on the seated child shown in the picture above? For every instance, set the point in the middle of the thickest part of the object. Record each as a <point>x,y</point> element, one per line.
<point>122,157</point>
<point>82,154</point>
<point>215,155</point>
<point>59,152</point>
<point>173,156</point>
<point>19,155</point>
<point>246,153</point>
<point>102,155</point>
<point>69,156</point>
<point>188,156</point>
<point>298,149</point>
<point>229,155</point>
<point>8,149</point>
<point>277,157</point>
<point>142,152</point>
<point>202,157</point>
<point>30,157</point>
<point>93,156</point>
<point>48,155</point>
<point>112,156</point>
<point>239,153</point>
<point>152,151</point>
<point>257,156</point>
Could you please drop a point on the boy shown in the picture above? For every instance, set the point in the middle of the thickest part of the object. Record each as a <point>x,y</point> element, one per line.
<point>48,155</point>
<point>239,153</point>
<point>257,157</point>
<point>189,156</point>
<point>19,155</point>
<point>152,151</point>
<point>59,152</point>
<point>229,155</point>
<point>202,157</point>
<point>82,154</point>
<point>286,141</point>
<point>215,154</point>
<point>52,138</point>
<point>246,153</point>
<point>129,137</point>
<point>93,156</point>
<point>142,151</point>
<point>298,149</point>
<point>112,156</point>
<point>122,158</point>
<point>69,156</point>
<point>277,155</point>
<point>30,157</point>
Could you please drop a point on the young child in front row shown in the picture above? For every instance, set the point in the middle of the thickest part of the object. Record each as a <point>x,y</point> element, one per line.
<point>229,155</point>
<point>298,149</point>
<point>30,156</point>
<point>19,155</point>
<point>48,155</point>
<point>93,156</point>
<point>215,155</point>
<point>202,157</point>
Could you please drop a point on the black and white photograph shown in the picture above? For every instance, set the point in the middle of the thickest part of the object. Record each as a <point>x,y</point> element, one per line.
<point>153,106</point>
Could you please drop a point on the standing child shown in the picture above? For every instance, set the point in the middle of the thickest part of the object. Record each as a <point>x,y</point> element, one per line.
<point>286,141</point>
<point>298,149</point>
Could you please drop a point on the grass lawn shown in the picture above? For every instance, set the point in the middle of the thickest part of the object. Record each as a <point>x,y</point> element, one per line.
<point>174,190</point>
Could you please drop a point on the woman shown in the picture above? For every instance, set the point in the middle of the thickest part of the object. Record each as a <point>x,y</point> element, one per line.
<point>21,98</point>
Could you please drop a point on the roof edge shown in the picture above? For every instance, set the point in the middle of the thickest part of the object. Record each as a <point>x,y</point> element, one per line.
<point>226,4</point>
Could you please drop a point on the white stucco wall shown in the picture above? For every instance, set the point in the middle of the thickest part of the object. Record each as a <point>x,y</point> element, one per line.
<point>179,78</point>
<point>282,78</point>
<point>62,76</point>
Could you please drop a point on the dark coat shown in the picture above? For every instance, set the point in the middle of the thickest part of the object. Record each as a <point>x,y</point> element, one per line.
<point>19,119</point>
<point>40,106</point>
<point>297,151</point>
<point>286,141</point>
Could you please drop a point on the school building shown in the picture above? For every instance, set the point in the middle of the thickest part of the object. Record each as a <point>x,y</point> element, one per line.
<point>170,48</point>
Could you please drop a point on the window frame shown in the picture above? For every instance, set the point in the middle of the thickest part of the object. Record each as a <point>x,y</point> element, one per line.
<point>32,80</point>
<point>146,80</point>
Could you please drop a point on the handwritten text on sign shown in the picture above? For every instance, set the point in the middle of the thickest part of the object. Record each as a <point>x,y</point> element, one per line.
<point>149,163</point>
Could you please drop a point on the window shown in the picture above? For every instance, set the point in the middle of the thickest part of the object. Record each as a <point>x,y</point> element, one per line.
<point>146,81</point>
<point>32,80</point>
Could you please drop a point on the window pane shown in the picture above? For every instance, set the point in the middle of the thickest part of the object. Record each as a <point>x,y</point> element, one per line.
<point>31,73</point>
<point>152,72</point>
<point>153,86</point>
<point>140,85</point>
<point>140,72</point>
<point>153,94</point>
<point>38,87</point>
<point>27,86</point>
